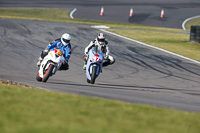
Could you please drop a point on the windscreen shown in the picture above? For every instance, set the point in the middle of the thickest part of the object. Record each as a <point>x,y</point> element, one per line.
<point>96,50</point>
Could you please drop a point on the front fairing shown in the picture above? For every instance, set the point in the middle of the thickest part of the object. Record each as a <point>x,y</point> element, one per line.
<point>55,55</point>
<point>94,61</point>
<point>51,58</point>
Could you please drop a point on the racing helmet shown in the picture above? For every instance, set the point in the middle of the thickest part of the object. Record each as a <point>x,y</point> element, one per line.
<point>101,38</point>
<point>65,39</point>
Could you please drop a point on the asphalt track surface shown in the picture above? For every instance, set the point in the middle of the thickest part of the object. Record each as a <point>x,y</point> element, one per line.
<point>145,12</point>
<point>140,75</point>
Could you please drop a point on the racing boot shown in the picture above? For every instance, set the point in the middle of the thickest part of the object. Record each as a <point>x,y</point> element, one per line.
<point>84,66</point>
<point>64,66</point>
<point>85,62</point>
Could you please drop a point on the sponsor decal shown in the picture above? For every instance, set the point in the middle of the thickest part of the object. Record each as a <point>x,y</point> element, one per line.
<point>96,58</point>
<point>61,61</point>
<point>51,54</point>
<point>58,52</point>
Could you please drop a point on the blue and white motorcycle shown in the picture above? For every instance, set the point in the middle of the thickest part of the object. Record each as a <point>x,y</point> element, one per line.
<point>94,64</point>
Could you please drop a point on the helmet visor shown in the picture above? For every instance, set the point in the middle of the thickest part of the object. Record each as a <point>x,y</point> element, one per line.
<point>66,41</point>
<point>101,40</point>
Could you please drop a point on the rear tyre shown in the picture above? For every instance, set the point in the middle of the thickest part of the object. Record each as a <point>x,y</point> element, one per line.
<point>38,78</point>
<point>93,77</point>
<point>48,73</point>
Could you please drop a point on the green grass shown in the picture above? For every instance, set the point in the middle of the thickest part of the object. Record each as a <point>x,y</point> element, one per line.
<point>25,110</point>
<point>174,42</point>
<point>35,14</point>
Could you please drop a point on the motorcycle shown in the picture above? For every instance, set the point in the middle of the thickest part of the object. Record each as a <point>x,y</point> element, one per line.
<point>50,64</point>
<point>94,64</point>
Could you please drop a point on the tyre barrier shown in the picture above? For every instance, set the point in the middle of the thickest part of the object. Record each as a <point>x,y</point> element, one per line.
<point>195,34</point>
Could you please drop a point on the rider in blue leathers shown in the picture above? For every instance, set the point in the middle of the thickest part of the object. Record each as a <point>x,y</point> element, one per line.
<point>63,43</point>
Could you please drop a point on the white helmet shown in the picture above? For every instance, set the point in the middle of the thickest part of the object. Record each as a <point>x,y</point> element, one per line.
<point>65,39</point>
<point>101,38</point>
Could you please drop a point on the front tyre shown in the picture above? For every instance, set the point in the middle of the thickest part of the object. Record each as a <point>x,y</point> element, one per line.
<point>93,76</point>
<point>48,73</point>
<point>88,80</point>
<point>38,78</point>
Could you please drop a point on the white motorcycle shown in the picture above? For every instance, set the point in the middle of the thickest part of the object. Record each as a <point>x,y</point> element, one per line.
<point>94,64</point>
<point>50,64</point>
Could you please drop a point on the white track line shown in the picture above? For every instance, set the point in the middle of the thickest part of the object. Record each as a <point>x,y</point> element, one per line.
<point>150,46</point>
<point>184,22</point>
<point>71,13</point>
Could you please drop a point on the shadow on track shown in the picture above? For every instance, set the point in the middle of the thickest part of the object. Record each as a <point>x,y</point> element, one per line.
<point>112,86</point>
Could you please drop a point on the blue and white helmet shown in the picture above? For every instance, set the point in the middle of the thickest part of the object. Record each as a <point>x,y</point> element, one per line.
<point>65,39</point>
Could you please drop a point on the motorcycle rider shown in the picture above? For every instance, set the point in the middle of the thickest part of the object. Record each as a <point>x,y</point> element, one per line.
<point>64,41</point>
<point>103,44</point>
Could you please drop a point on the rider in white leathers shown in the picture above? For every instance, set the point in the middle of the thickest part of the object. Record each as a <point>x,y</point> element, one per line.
<point>103,44</point>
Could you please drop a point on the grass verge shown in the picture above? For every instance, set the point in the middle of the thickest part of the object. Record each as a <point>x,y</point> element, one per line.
<point>174,42</point>
<point>25,110</point>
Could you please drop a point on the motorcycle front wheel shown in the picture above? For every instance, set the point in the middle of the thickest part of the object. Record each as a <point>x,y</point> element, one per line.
<point>48,73</point>
<point>93,76</point>
<point>88,80</point>
<point>38,78</point>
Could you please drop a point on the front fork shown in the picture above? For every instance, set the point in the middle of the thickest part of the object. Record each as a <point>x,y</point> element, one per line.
<point>51,63</point>
<point>99,67</point>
